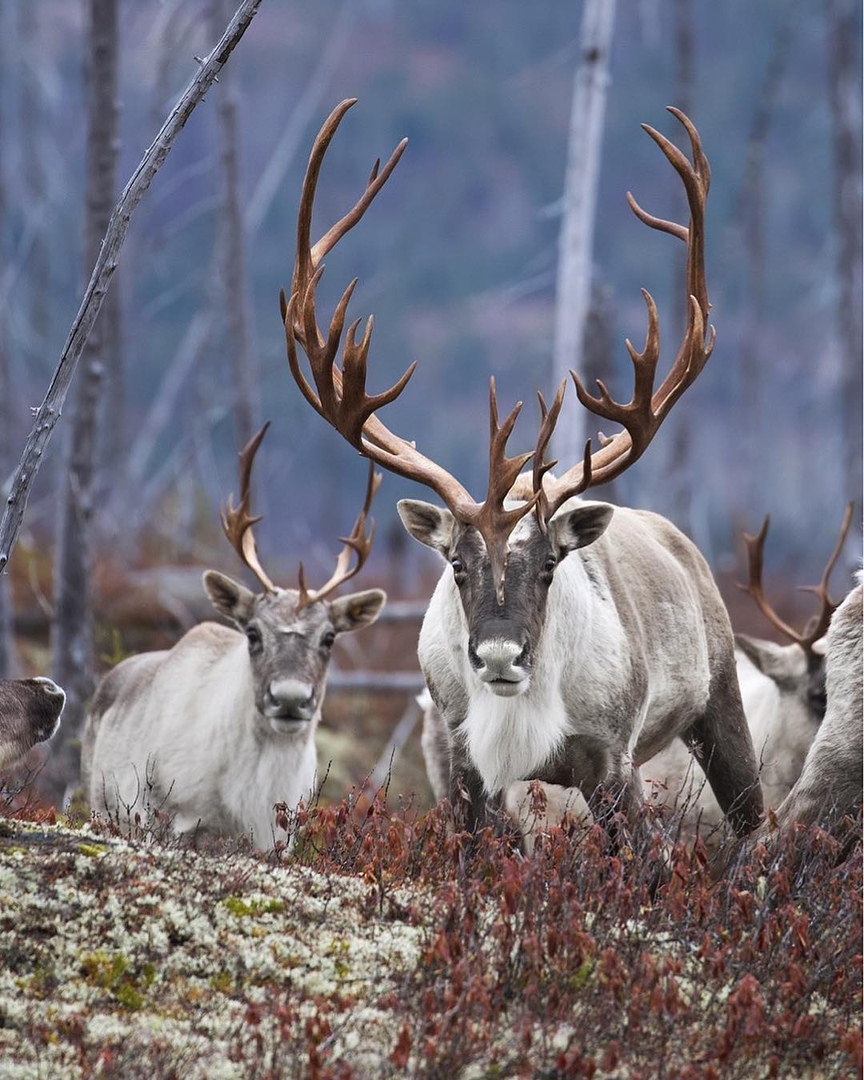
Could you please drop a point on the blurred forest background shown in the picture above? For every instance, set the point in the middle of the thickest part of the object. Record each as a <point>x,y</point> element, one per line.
<point>457,260</point>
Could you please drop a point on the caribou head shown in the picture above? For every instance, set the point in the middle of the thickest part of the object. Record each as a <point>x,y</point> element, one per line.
<point>797,669</point>
<point>290,632</point>
<point>504,552</point>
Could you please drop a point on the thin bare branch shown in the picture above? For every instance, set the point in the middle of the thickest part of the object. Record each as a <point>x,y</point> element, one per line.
<point>48,413</point>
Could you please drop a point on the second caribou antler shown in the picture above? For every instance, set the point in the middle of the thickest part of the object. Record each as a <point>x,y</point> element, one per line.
<point>237,523</point>
<point>339,393</point>
<point>817,626</point>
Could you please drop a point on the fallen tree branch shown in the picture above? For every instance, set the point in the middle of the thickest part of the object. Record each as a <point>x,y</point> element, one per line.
<point>49,411</point>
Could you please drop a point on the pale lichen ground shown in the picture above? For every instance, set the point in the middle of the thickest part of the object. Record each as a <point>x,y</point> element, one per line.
<point>136,949</point>
<point>146,960</point>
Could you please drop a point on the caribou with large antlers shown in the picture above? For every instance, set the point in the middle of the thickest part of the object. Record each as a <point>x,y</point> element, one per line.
<point>567,640</point>
<point>217,730</point>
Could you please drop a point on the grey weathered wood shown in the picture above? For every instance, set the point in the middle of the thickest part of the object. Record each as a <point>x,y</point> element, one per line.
<point>576,238</point>
<point>48,413</point>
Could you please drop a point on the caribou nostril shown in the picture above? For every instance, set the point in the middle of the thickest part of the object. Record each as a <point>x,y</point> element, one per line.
<point>522,659</point>
<point>290,698</point>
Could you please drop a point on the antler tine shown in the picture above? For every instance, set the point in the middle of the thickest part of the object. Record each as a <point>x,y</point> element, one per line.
<point>641,417</point>
<point>309,256</point>
<point>359,544</point>
<point>818,624</point>
<point>548,421</point>
<point>491,518</point>
<point>755,558</point>
<point>237,522</point>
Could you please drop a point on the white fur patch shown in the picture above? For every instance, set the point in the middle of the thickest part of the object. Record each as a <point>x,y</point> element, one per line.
<point>509,739</point>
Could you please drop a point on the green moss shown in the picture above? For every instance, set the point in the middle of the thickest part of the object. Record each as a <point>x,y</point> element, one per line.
<point>113,972</point>
<point>221,982</point>
<point>103,969</point>
<point>241,908</point>
<point>129,996</point>
<point>43,981</point>
<point>581,978</point>
<point>93,850</point>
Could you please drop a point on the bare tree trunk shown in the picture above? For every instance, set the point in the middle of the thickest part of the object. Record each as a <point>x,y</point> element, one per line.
<point>678,474</point>
<point>72,629</point>
<point>576,239</point>
<point>48,412</point>
<point>6,452</point>
<point>232,246</point>
<point>749,208</point>
<point>302,112</point>
<point>34,178</point>
<point>844,35</point>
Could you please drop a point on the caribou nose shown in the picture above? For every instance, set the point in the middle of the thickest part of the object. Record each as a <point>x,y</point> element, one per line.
<point>290,699</point>
<point>500,660</point>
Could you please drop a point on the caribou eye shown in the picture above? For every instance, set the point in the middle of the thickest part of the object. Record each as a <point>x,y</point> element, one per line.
<point>328,639</point>
<point>458,569</point>
<point>253,636</point>
<point>548,569</point>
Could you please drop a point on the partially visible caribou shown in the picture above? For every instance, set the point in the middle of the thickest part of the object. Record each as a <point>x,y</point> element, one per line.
<point>783,691</point>
<point>30,712</point>
<point>828,792</point>
<point>567,641</point>
<point>217,730</point>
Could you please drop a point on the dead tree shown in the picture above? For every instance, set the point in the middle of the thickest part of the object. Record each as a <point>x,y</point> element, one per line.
<point>576,238</point>
<point>234,300</point>
<point>48,413</point>
<point>72,626</point>
<point>6,458</point>
<point>844,73</point>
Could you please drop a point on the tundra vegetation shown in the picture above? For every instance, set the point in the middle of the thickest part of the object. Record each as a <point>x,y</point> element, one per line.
<point>377,949</point>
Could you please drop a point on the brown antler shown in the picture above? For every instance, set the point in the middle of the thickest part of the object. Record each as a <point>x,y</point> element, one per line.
<point>238,522</point>
<point>359,543</point>
<point>339,394</point>
<point>817,625</point>
<point>645,412</point>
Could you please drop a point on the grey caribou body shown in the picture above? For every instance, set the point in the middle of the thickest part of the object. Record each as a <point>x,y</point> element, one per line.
<point>579,678</point>
<point>218,730</point>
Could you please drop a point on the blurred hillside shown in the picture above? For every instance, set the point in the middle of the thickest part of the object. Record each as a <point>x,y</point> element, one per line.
<point>456,259</point>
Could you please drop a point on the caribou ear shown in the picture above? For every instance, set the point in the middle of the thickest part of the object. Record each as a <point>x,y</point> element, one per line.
<point>431,525</point>
<point>229,597</point>
<point>780,663</point>
<point>358,609</point>
<point>579,527</point>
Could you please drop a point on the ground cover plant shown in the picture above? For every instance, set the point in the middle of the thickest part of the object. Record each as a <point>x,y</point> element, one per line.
<point>386,946</point>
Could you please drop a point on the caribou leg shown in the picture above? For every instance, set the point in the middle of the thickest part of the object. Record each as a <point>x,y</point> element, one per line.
<point>721,743</point>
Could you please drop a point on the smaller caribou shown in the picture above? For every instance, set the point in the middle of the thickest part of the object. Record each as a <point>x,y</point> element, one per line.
<point>783,691</point>
<point>29,714</point>
<point>217,730</point>
<point>828,792</point>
